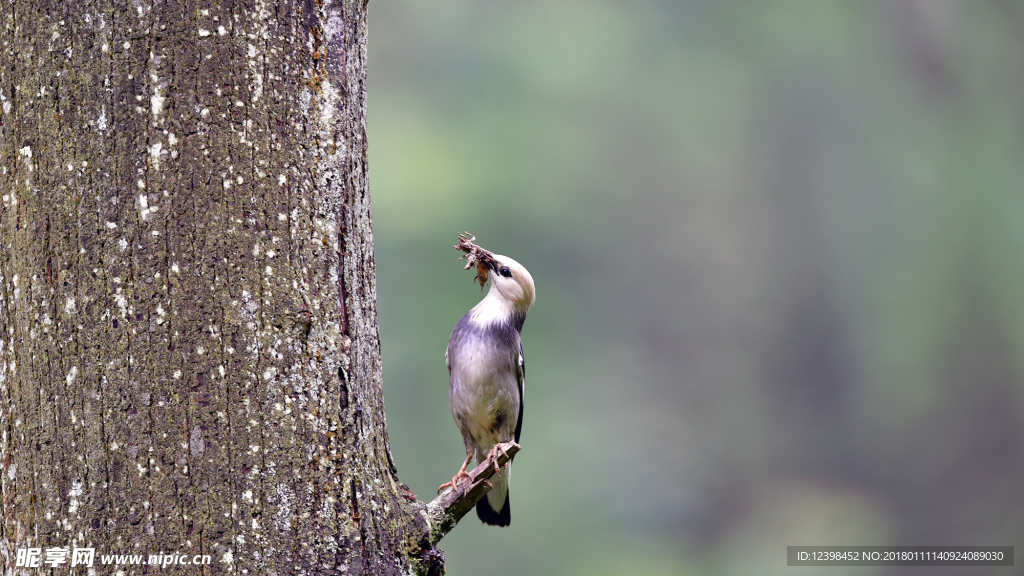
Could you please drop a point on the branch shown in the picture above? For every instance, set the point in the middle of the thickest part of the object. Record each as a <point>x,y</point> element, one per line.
<point>445,511</point>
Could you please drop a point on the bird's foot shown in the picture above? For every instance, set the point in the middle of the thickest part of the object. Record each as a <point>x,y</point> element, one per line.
<point>454,484</point>
<point>458,476</point>
<point>493,456</point>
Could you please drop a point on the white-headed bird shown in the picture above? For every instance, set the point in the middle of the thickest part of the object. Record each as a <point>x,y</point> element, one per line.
<point>487,370</point>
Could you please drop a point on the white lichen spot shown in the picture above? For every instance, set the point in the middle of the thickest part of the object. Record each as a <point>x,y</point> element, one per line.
<point>269,374</point>
<point>221,30</point>
<point>114,445</point>
<point>252,51</point>
<point>154,153</point>
<point>205,112</point>
<point>227,183</point>
<point>255,449</point>
<point>247,495</point>
<point>200,350</point>
<point>156,233</point>
<point>227,558</point>
<point>281,179</point>
<point>127,45</point>
<point>204,32</point>
<point>69,306</point>
<point>156,101</point>
<point>282,216</point>
<point>172,139</point>
<point>175,269</point>
<point>271,253</point>
<point>76,491</point>
<point>71,375</point>
<point>270,271</point>
<point>105,48</point>
<point>141,184</point>
<point>285,497</point>
<point>26,152</point>
<point>145,209</point>
<point>122,244</point>
<point>177,374</point>
<point>111,225</point>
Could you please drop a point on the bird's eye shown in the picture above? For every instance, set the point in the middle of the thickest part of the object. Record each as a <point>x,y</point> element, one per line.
<point>505,272</point>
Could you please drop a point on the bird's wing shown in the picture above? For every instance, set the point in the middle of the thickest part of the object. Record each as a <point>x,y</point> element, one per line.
<point>521,381</point>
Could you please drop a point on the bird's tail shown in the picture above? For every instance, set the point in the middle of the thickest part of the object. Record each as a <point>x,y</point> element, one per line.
<point>493,508</point>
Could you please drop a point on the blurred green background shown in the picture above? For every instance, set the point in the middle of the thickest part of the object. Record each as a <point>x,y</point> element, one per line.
<point>779,255</point>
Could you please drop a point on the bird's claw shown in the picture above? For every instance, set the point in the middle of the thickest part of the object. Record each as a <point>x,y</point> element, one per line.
<point>454,484</point>
<point>493,456</point>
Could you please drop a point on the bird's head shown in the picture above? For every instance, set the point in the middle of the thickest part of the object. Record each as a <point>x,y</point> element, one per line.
<point>512,291</point>
<point>512,282</point>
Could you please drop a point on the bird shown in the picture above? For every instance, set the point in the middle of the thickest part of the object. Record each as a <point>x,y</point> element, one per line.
<point>487,371</point>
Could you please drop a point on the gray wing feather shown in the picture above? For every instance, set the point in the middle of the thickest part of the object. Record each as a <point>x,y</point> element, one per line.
<point>521,380</point>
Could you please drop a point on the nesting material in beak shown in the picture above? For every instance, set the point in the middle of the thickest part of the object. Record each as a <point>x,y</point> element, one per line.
<point>481,273</point>
<point>484,259</point>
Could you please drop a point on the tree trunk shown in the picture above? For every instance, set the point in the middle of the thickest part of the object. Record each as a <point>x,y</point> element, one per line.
<point>189,355</point>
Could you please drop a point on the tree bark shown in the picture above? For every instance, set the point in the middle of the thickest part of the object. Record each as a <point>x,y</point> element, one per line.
<point>189,354</point>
